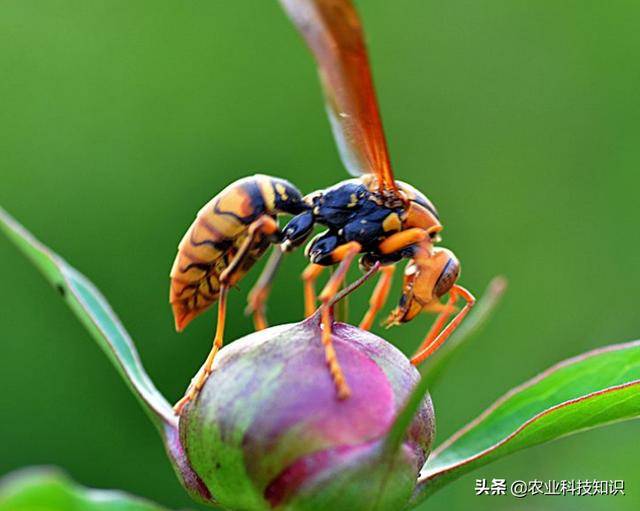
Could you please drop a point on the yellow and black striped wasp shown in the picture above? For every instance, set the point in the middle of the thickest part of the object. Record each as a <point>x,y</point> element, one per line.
<point>372,214</point>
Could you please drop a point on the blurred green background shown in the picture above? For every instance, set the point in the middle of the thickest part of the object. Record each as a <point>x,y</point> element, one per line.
<point>119,119</point>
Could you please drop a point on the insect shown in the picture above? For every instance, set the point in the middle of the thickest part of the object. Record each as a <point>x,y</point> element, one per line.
<point>372,215</point>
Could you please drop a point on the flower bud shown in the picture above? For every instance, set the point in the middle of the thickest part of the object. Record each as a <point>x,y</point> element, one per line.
<point>268,432</point>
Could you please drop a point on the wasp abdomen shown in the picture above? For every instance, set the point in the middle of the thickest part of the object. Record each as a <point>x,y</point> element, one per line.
<point>215,236</point>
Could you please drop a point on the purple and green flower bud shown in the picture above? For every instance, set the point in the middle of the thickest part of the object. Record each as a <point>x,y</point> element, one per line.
<point>267,431</point>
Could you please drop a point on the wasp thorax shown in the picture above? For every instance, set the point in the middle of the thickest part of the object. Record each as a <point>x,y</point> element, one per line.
<point>267,431</point>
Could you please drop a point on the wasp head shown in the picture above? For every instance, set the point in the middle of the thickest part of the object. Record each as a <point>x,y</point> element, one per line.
<point>427,277</point>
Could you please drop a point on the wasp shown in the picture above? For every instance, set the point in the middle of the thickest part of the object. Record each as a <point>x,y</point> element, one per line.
<point>373,216</point>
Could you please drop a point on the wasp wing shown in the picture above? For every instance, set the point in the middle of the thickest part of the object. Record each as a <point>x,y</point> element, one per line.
<point>333,31</point>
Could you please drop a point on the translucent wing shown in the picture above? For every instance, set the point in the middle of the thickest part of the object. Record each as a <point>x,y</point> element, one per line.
<point>333,31</point>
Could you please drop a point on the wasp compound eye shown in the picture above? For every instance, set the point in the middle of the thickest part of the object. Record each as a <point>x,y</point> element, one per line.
<point>448,276</point>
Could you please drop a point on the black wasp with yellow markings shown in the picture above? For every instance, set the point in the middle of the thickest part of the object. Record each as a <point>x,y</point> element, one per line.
<point>374,215</point>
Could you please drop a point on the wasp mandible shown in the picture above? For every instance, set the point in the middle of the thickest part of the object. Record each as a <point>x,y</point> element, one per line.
<point>374,215</point>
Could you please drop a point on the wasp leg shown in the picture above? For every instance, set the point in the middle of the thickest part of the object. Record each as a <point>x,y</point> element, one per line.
<point>394,243</point>
<point>445,311</point>
<point>201,377</point>
<point>259,294</point>
<point>433,341</point>
<point>403,239</point>
<point>379,296</point>
<point>309,277</point>
<point>265,225</point>
<point>345,254</point>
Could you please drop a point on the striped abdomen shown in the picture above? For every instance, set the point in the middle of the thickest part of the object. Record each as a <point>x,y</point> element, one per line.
<point>216,235</point>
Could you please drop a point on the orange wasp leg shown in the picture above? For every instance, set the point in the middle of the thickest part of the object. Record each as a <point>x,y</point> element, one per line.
<point>201,377</point>
<point>393,243</point>
<point>309,277</point>
<point>345,254</point>
<point>403,239</point>
<point>445,310</point>
<point>264,225</point>
<point>259,294</point>
<point>435,341</point>
<point>379,296</point>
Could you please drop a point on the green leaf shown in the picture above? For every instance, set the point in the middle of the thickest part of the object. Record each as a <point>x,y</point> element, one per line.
<point>590,390</point>
<point>92,309</point>
<point>434,367</point>
<point>50,490</point>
